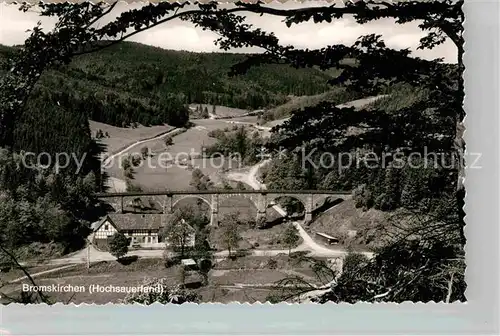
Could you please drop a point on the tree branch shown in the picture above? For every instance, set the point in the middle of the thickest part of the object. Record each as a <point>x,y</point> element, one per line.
<point>11,256</point>
<point>450,288</point>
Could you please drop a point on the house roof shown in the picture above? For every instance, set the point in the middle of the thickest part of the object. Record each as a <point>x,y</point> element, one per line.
<point>96,225</point>
<point>325,235</point>
<point>137,221</point>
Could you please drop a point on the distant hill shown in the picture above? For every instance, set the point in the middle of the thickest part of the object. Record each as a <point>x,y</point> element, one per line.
<point>132,82</point>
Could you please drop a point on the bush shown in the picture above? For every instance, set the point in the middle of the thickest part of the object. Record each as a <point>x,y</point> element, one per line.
<point>168,294</point>
<point>131,187</point>
<point>145,152</point>
<point>118,245</point>
<point>217,134</point>
<point>168,140</point>
<point>272,298</point>
<point>136,160</point>
<point>363,197</point>
<point>385,203</point>
<point>272,264</point>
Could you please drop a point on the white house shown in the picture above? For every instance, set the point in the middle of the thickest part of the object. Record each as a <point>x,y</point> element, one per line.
<point>143,230</point>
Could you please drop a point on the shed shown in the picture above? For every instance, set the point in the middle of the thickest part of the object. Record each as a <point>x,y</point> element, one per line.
<point>327,238</point>
<point>189,263</point>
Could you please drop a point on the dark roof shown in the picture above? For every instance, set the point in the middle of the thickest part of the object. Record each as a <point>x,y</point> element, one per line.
<point>326,235</point>
<point>96,225</point>
<point>138,221</point>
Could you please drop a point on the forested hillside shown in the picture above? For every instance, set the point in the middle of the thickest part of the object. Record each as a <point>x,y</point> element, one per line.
<point>131,82</point>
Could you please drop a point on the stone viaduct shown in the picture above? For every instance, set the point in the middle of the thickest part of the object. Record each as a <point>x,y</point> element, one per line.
<point>262,199</point>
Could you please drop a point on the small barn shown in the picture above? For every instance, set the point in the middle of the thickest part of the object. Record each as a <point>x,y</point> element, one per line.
<point>189,264</point>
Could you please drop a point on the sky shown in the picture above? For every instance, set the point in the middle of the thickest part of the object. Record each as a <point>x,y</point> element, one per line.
<point>179,35</point>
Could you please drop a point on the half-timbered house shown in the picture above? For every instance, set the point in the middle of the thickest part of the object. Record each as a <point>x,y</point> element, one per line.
<point>143,230</point>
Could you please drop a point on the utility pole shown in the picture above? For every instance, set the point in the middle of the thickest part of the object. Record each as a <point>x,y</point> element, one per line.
<point>88,253</point>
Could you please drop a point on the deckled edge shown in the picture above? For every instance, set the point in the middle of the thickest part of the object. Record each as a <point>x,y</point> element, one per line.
<point>467,275</point>
<point>342,305</point>
<point>130,2</point>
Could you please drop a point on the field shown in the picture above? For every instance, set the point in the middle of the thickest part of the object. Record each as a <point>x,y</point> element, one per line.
<point>120,137</point>
<point>155,173</point>
<point>243,279</point>
<point>222,111</point>
<point>270,238</point>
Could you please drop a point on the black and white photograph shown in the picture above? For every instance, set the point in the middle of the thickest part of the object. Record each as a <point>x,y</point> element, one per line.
<point>205,152</point>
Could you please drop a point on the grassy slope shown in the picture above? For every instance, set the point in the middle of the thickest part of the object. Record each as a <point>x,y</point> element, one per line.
<point>273,116</point>
<point>352,226</point>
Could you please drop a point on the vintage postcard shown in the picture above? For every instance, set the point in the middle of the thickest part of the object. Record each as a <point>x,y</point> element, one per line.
<point>232,152</point>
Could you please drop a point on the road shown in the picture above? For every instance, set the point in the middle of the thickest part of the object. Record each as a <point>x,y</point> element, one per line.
<point>251,178</point>
<point>137,143</point>
<point>80,257</point>
<point>308,243</point>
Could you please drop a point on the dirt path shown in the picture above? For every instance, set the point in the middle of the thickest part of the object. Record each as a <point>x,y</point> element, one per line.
<point>139,142</point>
<point>41,273</point>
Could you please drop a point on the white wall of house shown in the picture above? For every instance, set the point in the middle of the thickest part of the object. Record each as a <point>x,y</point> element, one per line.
<point>144,238</point>
<point>106,230</point>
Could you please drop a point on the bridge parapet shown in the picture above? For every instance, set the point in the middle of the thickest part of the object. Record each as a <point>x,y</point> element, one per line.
<point>310,199</point>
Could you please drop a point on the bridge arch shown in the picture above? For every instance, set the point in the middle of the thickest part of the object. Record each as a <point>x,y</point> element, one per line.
<point>200,197</point>
<point>273,199</point>
<point>247,205</point>
<point>251,197</point>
